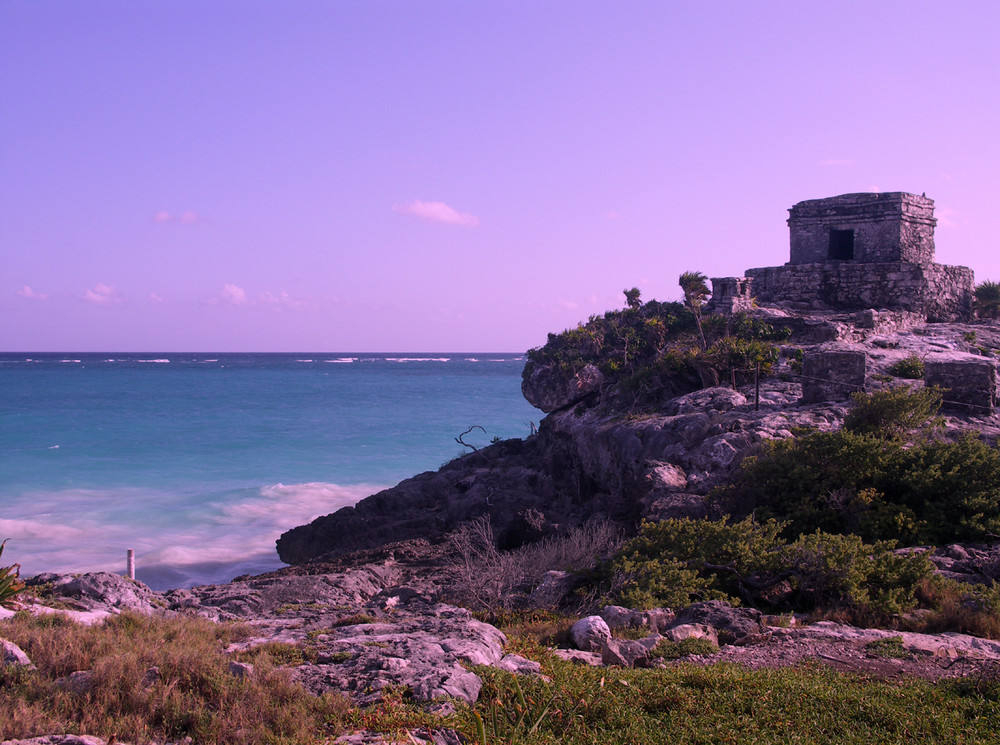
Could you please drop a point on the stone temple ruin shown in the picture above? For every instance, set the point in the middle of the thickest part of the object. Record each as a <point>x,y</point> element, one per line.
<point>870,256</point>
<point>856,252</point>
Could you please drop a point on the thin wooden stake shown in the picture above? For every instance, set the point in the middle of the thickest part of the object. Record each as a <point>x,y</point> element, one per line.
<point>756,382</point>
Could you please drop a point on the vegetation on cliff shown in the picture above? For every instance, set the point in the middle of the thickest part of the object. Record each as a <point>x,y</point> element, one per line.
<point>988,299</point>
<point>10,581</point>
<point>883,475</point>
<point>653,351</point>
<point>676,562</point>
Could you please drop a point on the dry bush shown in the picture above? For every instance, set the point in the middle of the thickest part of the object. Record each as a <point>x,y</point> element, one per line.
<point>956,606</point>
<point>491,580</point>
<point>195,694</point>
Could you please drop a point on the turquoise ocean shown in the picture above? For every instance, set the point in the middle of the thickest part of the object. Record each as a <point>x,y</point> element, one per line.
<point>199,462</point>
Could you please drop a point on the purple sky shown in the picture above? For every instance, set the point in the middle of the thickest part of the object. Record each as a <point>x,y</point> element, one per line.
<point>454,176</point>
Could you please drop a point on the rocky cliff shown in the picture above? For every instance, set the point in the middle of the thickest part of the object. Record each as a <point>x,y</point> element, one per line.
<point>596,455</point>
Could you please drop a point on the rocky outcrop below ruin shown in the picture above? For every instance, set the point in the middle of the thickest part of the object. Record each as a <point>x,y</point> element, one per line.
<point>595,458</point>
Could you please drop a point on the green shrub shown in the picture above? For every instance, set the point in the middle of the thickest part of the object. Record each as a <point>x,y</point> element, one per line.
<point>894,412</point>
<point>10,582</point>
<point>841,571</point>
<point>739,359</point>
<point>880,476</point>
<point>678,561</point>
<point>911,367</point>
<point>670,563</point>
<point>988,299</point>
<point>843,482</point>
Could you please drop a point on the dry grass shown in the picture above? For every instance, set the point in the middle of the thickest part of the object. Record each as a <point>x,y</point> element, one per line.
<point>195,694</point>
<point>492,580</point>
<point>955,606</point>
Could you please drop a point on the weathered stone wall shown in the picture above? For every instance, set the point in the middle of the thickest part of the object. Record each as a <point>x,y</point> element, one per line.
<point>936,291</point>
<point>889,227</point>
<point>970,382</point>
<point>833,374</point>
<point>730,295</point>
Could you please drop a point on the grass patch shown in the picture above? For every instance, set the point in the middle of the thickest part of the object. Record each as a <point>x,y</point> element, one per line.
<point>911,368</point>
<point>631,633</point>
<point>722,704</point>
<point>355,619</point>
<point>194,696</point>
<point>891,647</point>
<point>277,654</point>
<point>669,650</point>
<point>527,628</point>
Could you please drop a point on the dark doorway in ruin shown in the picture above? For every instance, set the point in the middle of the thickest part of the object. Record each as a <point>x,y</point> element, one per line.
<point>841,245</point>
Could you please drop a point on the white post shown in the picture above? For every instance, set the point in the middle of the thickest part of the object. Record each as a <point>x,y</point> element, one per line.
<point>130,562</point>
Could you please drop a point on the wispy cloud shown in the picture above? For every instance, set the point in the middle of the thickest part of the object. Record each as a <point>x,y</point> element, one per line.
<point>283,300</point>
<point>233,294</point>
<point>154,298</point>
<point>438,212</point>
<point>103,295</point>
<point>836,162</point>
<point>27,292</point>
<point>948,217</point>
<point>184,217</point>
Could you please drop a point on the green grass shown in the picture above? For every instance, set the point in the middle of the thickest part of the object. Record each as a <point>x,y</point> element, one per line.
<point>196,696</point>
<point>889,648</point>
<point>669,650</point>
<point>726,704</point>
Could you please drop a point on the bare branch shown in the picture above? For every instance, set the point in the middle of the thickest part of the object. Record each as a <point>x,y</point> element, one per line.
<point>460,441</point>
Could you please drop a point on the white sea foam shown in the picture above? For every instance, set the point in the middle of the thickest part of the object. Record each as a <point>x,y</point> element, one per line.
<point>156,361</point>
<point>418,359</point>
<point>303,360</point>
<point>47,529</point>
<point>220,535</point>
<point>69,360</point>
<point>343,360</point>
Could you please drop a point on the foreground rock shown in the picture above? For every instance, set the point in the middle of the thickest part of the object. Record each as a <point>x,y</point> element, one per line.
<point>423,649</point>
<point>364,632</point>
<point>12,655</point>
<point>97,591</point>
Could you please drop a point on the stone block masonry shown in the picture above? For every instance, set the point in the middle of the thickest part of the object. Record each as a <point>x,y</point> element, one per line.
<point>970,382</point>
<point>833,374</point>
<point>938,292</point>
<point>864,228</point>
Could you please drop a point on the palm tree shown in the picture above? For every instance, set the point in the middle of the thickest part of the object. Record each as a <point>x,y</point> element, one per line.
<point>988,299</point>
<point>695,294</point>
<point>632,298</point>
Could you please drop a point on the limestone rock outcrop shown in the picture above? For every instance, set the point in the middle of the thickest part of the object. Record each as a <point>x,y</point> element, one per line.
<point>548,388</point>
